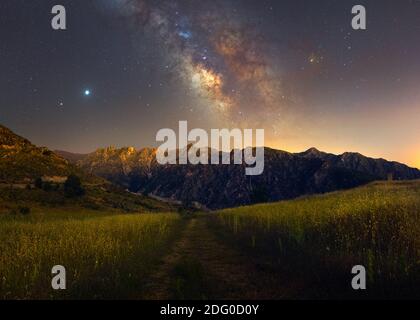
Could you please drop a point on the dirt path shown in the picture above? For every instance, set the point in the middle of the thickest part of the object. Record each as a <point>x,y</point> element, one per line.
<point>201,267</point>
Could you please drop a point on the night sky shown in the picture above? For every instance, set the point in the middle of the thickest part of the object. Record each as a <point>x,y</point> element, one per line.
<point>124,69</point>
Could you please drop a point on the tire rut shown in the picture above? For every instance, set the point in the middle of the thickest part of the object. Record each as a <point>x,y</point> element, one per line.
<point>225,273</point>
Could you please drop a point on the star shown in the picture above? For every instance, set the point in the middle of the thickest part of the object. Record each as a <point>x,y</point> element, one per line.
<point>185,34</point>
<point>315,58</point>
<point>87,92</point>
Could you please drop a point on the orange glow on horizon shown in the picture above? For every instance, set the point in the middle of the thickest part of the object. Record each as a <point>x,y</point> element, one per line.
<point>410,158</point>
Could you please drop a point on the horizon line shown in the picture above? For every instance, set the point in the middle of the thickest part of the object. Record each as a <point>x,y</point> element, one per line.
<point>265,147</point>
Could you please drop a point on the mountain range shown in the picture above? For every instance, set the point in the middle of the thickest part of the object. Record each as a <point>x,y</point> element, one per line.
<point>286,175</point>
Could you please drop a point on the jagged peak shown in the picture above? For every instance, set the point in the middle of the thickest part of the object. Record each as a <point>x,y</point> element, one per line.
<point>313,150</point>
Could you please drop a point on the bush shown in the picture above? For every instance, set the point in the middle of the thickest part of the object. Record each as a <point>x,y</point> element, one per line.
<point>38,183</point>
<point>44,185</point>
<point>47,186</point>
<point>24,210</point>
<point>73,187</point>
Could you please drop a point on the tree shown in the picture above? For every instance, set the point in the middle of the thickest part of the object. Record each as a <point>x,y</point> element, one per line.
<point>47,186</point>
<point>25,210</point>
<point>73,187</point>
<point>38,183</point>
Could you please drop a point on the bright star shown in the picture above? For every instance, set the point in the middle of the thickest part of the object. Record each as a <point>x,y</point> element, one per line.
<point>185,34</point>
<point>87,92</point>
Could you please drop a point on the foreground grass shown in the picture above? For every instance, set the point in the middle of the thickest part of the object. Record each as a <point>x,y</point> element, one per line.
<point>106,255</point>
<point>319,239</point>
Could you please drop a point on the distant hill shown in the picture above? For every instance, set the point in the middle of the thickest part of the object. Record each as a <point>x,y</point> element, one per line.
<point>121,166</point>
<point>71,157</point>
<point>21,161</point>
<point>286,175</point>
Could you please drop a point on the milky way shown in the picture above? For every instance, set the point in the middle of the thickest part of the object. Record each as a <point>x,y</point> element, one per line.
<point>219,58</point>
<point>295,68</point>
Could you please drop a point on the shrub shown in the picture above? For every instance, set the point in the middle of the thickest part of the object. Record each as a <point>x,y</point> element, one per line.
<point>73,187</point>
<point>38,183</point>
<point>24,210</point>
<point>47,186</point>
<point>47,153</point>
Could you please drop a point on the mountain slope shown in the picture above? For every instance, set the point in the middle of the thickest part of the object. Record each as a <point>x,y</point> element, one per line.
<point>21,161</point>
<point>286,175</point>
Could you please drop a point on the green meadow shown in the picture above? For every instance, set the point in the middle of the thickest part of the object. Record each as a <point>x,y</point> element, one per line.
<point>114,248</point>
<point>316,240</point>
<point>106,255</point>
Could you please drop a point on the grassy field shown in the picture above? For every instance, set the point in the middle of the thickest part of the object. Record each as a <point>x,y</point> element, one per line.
<point>106,255</point>
<point>113,247</point>
<point>317,240</point>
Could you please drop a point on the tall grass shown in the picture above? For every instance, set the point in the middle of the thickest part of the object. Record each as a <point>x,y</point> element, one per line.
<point>105,256</point>
<point>320,238</point>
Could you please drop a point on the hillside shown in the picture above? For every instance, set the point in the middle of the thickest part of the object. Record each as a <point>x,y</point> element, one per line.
<point>286,175</point>
<point>315,241</point>
<point>22,162</point>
